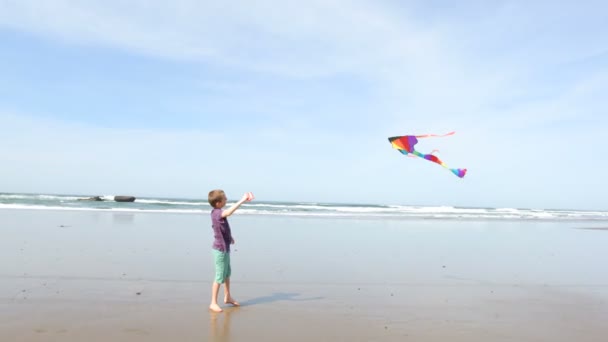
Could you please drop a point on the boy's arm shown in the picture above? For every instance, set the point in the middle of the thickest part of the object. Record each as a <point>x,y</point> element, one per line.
<point>235,206</point>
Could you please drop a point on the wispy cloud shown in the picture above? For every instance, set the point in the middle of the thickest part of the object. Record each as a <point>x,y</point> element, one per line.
<point>390,48</point>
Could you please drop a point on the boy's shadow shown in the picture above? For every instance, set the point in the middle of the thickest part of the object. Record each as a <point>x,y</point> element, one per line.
<point>277,297</point>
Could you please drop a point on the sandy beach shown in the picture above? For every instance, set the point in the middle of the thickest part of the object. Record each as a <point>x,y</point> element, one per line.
<point>111,276</point>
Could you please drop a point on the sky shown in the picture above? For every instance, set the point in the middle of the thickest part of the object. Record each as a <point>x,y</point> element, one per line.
<point>295,100</point>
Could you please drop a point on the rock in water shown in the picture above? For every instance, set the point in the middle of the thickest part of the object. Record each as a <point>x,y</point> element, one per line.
<point>124,198</point>
<point>94,198</point>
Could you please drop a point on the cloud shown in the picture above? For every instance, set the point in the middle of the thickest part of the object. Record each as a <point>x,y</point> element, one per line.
<point>266,36</point>
<point>410,62</point>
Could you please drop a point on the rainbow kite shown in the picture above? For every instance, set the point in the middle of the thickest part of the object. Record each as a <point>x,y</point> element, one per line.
<point>405,144</point>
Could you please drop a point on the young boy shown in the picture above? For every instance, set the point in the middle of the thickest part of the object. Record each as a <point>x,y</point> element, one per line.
<point>221,245</point>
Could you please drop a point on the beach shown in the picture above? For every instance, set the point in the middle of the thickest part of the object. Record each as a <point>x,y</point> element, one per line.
<point>125,276</point>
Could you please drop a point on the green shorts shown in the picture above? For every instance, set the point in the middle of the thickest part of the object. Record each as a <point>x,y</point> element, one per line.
<point>222,266</point>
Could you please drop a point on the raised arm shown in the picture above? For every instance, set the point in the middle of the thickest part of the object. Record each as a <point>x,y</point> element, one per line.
<point>235,206</point>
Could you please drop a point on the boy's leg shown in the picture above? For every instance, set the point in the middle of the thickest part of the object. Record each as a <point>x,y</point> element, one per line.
<point>228,272</point>
<point>215,290</point>
<point>227,296</point>
<point>220,270</point>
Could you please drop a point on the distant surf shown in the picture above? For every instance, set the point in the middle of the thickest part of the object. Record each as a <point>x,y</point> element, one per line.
<point>276,208</point>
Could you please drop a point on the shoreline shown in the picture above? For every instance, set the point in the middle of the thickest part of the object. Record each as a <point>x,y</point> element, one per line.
<point>320,216</point>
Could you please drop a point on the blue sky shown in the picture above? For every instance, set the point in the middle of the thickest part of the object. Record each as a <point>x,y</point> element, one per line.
<point>294,100</point>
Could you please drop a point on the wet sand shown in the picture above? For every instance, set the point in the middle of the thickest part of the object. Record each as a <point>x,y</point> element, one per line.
<point>107,276</point>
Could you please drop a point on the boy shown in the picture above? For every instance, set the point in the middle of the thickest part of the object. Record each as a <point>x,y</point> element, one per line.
<point>221,245</point>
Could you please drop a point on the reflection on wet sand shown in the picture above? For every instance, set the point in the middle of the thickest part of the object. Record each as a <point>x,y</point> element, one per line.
<point>123,218</point>
<point>219,328</point>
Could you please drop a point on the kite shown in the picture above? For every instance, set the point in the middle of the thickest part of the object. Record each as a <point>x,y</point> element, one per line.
<point>405,144</point>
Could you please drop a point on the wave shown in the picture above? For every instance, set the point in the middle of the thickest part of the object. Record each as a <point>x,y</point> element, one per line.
<point>310,209</point>
<point>37,197</point>
<point>135,210</point>
<point>159,201</point>
<point>398,212</point>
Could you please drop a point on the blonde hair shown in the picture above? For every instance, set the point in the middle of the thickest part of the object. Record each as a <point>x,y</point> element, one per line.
<point>216,196</point>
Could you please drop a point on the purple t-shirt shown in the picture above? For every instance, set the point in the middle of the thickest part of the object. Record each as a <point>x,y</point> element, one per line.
<point>221,231</point>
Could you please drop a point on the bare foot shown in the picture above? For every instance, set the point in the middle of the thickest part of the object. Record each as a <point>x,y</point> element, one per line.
<point>215,308</point>
<point>231,301</point>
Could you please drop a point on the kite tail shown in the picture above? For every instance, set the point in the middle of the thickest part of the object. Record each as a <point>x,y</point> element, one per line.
<point>459,172</point>
<point>435,135</point>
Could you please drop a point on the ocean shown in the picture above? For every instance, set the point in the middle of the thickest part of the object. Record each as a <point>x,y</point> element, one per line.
<point>303,209</point>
